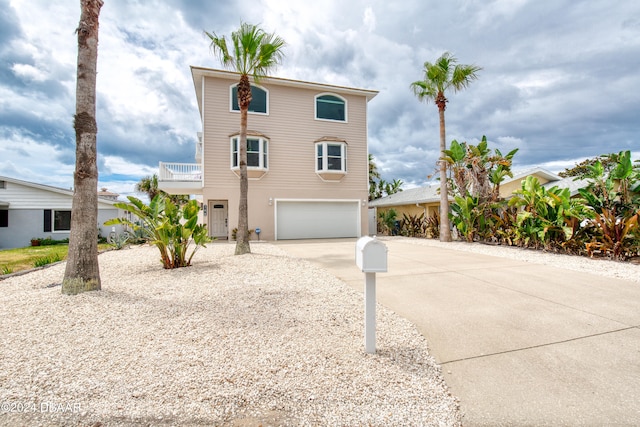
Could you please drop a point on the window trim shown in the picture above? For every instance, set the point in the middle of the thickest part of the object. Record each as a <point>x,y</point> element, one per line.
<point>263,153</point>
<point>266,91</point>
<point>50,221</point>
<point>346,109</point>
<point>325,156</point>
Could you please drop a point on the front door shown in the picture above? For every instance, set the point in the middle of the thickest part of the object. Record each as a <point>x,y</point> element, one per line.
<point>218,221</point>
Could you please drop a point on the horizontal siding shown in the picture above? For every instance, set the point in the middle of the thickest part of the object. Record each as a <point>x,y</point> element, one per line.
<point>21,196</point>
<point>25,197</point>
<point>292,130</point>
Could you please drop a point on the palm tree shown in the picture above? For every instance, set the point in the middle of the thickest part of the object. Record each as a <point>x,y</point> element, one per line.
<point>254,54</point>
<point>149,186</point>
<point>82,273</point>
<point>374,176</point>
<point>439,77</point>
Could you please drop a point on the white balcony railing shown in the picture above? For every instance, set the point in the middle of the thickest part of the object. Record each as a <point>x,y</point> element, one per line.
<point>182,172</point>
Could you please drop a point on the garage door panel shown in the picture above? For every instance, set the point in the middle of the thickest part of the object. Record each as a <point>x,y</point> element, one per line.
<point>315,220</point>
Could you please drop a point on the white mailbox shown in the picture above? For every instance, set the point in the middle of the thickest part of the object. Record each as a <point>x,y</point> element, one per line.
<point>371,255</point>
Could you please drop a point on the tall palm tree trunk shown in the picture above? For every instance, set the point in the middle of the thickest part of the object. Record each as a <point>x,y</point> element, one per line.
<point>82,273</point>
<point>445,231</point>
<point>242,236</point>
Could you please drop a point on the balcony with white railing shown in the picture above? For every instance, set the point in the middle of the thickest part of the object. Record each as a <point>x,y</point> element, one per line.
<point>180,178</point>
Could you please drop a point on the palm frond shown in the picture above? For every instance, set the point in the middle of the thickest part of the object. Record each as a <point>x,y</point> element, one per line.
<point>219,48</point>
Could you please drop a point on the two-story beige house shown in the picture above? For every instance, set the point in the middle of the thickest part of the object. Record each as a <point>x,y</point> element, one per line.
<point>306,151</point>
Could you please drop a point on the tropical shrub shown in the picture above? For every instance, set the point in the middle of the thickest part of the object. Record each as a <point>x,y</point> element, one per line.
<point>387,221</point>
<point>172,229</point>
<point>477,171</point>
<point>432,227</point>
<point>476,175</point>
<point>548,217</point>
<point>613,194</point>
<point>138,236</point>
<point>413,225</point>
<point>501,226</point>
<point>119,240</point>
<point>465,216</point>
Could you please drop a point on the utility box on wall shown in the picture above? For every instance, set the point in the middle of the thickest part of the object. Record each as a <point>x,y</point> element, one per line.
<point>371,255</point>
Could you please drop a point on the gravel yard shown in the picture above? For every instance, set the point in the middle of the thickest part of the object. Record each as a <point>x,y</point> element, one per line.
<point>260,339</point>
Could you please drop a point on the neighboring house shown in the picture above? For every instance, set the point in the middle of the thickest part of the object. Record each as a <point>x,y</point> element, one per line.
<point>426,199</point>
<point>103,193</point>
<point>307,158</point>
<point>414,201</point>
<point>29,210</point>
<point>509,185</point>
<point>571,183</point>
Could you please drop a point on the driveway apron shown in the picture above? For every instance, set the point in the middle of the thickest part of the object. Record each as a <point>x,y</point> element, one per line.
<point>519,343</point>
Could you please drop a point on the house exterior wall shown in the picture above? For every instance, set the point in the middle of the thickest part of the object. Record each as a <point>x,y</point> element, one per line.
<point>25,224</point>
<point>428,209</point>
<point>292,130</point>
<point>26,213</point>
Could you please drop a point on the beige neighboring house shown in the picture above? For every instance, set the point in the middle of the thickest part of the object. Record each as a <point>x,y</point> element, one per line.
<point>307,158</point>
<point>412,202</point>
<point>426,199</point>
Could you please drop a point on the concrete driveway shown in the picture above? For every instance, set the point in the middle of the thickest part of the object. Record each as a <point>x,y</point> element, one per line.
<point>519,343</point>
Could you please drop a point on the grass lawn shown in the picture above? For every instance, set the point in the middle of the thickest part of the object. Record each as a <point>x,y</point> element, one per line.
<point>14,260</point>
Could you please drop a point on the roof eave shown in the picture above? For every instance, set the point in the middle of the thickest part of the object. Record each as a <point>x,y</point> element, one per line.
<point>199,72</point>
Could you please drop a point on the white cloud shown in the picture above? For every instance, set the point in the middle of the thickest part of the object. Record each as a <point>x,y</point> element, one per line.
<point>489,12</point>
<point>120,166</point>
<point>25,157</point>
<point>559,81</point>
<point>369,19</point>
<point>30,72</point>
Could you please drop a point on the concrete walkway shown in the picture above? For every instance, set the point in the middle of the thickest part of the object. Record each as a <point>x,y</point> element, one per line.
<point>519,343</point>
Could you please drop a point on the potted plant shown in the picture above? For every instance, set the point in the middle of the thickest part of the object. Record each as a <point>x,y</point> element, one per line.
<point>35,241</point>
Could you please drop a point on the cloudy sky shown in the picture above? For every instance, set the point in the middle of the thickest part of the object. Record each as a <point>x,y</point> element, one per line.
<point>560,78</point>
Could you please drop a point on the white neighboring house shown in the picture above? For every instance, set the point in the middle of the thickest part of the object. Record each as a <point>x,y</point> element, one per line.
<point>29,210</point>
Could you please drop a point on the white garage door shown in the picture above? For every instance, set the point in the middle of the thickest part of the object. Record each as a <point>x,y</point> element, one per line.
<point>317,220</point>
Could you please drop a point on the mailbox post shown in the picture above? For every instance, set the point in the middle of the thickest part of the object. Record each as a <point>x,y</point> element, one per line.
<point>371,258</point>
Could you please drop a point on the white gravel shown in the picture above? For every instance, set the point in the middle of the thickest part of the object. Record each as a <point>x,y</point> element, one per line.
<point>600,266</point>
<point>260,339</point>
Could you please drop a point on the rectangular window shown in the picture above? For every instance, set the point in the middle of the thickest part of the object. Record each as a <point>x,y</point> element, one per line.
<point>47,220</point>
<point>320,157</point>
<point>331,157</point>
<point>3,185</point>
<point>334,157</point>
<point>264,155</point>
<point>234,153</point>
<point>257,155</point>
<point>253,153</point>
<point>61,220</point>
<point>56,220</point>
<point>4,218</point>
